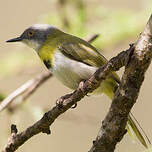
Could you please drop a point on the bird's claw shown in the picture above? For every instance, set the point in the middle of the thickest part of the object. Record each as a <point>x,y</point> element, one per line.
<point>81,86</point>
<point>60,101</point>
<point>74,106</point>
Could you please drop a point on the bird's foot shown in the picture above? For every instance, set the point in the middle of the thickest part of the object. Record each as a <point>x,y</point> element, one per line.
<point>74,106</point>
<point>81,86</point>
<point>60,101</point>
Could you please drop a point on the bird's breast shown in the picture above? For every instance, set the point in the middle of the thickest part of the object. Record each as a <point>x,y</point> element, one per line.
<point>70,72</point>
<point>46,54</point>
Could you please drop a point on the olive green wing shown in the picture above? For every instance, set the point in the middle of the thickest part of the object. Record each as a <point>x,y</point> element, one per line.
<point>85,53</point>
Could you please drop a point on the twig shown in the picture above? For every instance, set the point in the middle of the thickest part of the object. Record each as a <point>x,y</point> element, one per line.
<point>30,87</point>
<point>27,89</point>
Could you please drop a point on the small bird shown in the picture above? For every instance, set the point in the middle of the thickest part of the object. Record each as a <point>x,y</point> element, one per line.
<point>71,60</point>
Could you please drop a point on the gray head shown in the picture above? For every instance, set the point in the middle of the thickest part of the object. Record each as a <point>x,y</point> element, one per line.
<point>36,35</point>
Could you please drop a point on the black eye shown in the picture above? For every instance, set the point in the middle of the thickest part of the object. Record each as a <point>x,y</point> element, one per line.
<point>30,33</point>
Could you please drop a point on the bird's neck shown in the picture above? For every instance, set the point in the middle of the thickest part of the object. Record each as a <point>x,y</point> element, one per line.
<point>46,53</point>
<point>47,50</point>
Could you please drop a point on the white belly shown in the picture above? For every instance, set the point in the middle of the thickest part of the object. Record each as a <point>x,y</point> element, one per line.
<point>70,72</point>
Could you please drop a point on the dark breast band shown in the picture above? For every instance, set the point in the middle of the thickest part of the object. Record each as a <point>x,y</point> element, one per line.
<point>47,63</point>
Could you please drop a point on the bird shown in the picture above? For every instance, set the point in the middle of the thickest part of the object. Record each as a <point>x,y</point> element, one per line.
<point>72,60</point>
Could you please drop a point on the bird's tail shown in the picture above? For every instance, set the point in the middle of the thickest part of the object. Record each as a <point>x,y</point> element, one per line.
<point>133,127</point>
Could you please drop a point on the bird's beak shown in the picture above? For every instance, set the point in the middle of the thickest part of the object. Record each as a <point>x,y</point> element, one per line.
<point>15,39</point>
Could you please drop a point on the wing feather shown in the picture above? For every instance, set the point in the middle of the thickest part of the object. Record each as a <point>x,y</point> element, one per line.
<point>85,53</point>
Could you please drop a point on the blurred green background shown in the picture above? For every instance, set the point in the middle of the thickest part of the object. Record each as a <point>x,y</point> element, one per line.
<point>118,23</point>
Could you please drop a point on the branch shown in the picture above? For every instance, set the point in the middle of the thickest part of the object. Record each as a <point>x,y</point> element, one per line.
<point>113,126</point>
<point>30,87</point>
<point>69,100</point>
<point>27,89</point>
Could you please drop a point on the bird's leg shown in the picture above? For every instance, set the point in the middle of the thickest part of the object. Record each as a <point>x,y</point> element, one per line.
<point>59,102</point>
<point>74,106</point>
<point>81,86</point>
